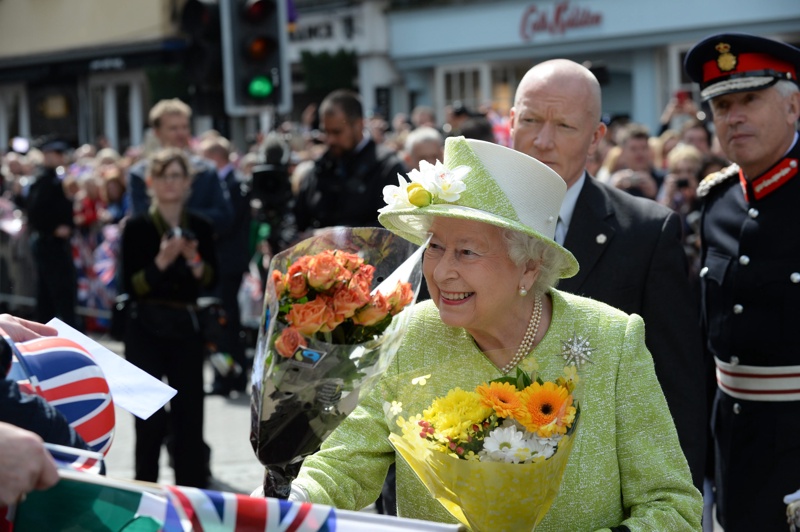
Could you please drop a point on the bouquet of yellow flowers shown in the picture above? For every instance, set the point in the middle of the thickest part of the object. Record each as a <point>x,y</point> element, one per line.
<point>333,320</point>
<point>493,456</point>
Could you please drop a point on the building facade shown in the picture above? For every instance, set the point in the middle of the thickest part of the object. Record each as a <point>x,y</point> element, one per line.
<point>476,51</point>
<point>90,69</point>
<point>83,70</point>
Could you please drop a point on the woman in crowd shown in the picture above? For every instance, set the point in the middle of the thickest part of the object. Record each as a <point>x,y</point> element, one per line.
<point>490,268</point>
<point>680,186</point>
<point>167,257</point>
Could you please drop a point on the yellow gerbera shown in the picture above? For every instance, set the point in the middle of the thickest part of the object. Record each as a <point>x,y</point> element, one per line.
<point>500,396</point>
<point>546,409</point>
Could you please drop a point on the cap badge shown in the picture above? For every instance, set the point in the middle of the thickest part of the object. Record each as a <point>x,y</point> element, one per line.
<point>726,60</point>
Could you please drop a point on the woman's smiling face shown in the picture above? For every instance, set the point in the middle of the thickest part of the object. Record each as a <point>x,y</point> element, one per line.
<point>470,277</point>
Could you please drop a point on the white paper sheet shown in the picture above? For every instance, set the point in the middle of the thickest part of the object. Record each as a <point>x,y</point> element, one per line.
<point>133,389</point>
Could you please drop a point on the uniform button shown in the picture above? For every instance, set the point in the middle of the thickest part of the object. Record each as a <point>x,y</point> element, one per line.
<point>753,213</point>
<point>737,408</point>
<point>744,260</point>
<point>795,277</point>
<point>738,309</point>
<point>734,361</point>
<point>704,271</point>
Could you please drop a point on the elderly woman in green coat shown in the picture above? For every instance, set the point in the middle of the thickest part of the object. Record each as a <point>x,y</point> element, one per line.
<point>491,267</point>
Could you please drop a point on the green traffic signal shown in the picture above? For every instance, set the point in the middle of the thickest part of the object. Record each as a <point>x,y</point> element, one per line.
<point>260,87</point>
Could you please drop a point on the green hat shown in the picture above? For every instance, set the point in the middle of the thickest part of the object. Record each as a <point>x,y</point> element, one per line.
<point>483,182</point>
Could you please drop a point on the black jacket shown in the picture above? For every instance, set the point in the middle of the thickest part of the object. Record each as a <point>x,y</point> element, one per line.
<point>47,205</point>
<point>631,257</point>
<point>750,284</point>
<point>347,191</point>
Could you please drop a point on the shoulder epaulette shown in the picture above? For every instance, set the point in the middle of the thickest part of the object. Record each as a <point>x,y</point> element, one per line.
<point>712,180</point>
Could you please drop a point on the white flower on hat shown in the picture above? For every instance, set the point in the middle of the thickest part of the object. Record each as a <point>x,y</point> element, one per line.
<point>427,185</point>
<point>396,196</point>
<point>448,184</point>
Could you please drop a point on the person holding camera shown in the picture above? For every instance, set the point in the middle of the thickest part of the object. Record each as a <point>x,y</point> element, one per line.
<point>168,257</point>
<point>680,185</point>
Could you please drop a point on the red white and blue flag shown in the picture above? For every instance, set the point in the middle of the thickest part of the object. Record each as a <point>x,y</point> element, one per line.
<point>65,375</point>
<point>209,511</point>
<point>76,459</point>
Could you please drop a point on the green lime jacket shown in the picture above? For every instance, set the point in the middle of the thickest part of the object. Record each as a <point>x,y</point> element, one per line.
<point>626,467</point>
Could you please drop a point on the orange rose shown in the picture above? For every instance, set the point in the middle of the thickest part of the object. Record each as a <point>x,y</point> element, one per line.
<point>401,297</point>
<point>346,301</point>
<point>375,311</point>
<point>331,319</point>
<point>280,284</point>
<point>288,342</point>
<point>309,317</point>
<point>350,261</point>
<point>323,270</point>
<point>362,280</point>
<point>296,284</point>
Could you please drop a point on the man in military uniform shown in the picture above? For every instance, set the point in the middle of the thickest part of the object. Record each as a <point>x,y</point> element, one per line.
<point>50,222</point>
<point>751,274</point>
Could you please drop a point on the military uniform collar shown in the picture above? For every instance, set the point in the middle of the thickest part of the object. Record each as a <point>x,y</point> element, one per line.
<point>774,178</point>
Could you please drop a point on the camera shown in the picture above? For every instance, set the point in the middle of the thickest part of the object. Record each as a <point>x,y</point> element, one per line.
<point>178,232</point>
<point>682,183</point>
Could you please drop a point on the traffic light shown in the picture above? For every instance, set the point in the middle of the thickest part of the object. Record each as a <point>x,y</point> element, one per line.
<point>202,60</point>
<point>255,64</point>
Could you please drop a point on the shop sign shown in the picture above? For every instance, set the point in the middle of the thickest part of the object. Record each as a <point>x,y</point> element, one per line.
<point>312,32</point>
<point>558,19</point>
<point>108,63</point>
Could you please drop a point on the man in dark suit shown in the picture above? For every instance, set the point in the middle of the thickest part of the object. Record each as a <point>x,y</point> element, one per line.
<point>629,249</point>
<point>346,185</point>
<point>750,279</point>
<point>50,219</point>
<point>232,246</point>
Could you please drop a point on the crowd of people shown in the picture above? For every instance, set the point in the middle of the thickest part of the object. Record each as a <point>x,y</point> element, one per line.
<point>652,234</point>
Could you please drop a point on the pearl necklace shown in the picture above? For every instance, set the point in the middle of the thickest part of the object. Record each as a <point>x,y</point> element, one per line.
<point>528,339</point>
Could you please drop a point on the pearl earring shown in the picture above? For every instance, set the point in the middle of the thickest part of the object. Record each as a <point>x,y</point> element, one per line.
<point>523,291</point>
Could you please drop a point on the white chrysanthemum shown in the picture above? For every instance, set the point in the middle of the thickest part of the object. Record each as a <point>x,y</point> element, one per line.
<point>396,196</point>
<point>545,447</point>
<point>504,444</point>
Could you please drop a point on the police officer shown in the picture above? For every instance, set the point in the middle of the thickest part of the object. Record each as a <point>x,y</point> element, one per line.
<point>751,274</point>
<point>51,223</point>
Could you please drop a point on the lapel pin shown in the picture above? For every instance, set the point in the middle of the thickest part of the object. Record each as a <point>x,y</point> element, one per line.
<point>601,238</point>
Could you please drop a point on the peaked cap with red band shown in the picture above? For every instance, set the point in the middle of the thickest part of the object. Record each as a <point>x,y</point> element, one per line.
<point>738,62</point>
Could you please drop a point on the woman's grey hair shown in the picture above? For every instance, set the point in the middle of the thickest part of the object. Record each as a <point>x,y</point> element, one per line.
<point>524,248</point>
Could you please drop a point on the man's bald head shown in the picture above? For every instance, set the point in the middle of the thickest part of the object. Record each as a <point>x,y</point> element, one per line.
<point>556,116</point>
<point>569,75</point>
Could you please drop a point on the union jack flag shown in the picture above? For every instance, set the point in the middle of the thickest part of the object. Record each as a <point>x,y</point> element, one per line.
<point>206,511</point>
<point>65,375</point>
<point>75,459</point>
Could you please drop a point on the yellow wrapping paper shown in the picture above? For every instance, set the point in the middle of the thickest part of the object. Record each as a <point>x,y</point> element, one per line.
<point>488,496</point>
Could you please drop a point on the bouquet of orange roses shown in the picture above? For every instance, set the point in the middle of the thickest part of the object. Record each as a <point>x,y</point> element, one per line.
<point>333,319</point>
<point>494,455</point>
